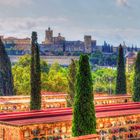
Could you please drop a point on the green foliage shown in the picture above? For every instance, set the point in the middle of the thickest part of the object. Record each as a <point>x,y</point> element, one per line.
<point>130,82</point>
<point>37,78</point>
<point>21,74</point>
<point>6,78</point>
<point>76,53</point>
<point>84,121</point>
<point>24,61</point>
<point>53,78</point>
<point>96,58</point>
<point>57,79</point>
<point>104,80</point>
<point>136,95</point>
<point>21,79</point>
<point>100,59</point>
<point>35,102</point>
<point>72,70</point>
<point>121,77</point>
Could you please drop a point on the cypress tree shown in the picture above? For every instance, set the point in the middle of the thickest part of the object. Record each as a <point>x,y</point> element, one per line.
<point>84,120</point>
<point>136,95</point>
<point>121,77</point>
<point>38,77</point>
<point>6,78</point>
<point>71,83</point>
<point>35,103</point>
<point>32,102</point>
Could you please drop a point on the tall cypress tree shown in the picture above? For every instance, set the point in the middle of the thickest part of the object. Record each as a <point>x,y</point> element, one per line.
<point>38,77</point>
<point>35,103</point>
<point>6,78</point>
<point>136,95</point>
<point>121,77</point>
<point>84,120</point>
<point>71,82</point>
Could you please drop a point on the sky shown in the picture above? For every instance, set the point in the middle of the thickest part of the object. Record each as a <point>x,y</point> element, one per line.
<point>113,21</point>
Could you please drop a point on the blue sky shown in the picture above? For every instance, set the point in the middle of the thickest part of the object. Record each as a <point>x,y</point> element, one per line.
<point>112,20</point>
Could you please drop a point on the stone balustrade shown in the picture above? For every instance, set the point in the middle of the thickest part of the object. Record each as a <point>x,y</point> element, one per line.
<point>53,100</point>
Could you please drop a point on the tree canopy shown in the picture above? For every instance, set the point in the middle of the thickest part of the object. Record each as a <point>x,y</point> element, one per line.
<point>72,71</point>
<point>35,72</point>
<point>121,77</point>
<point>84,121</point>
<point>136,95</point>
<point>6,77</point>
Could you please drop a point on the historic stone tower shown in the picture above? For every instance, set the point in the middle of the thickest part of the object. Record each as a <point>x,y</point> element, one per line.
<point>88,44</point>
<point>49,36</point>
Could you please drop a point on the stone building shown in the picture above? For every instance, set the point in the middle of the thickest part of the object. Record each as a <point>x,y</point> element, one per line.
<point>90,45</point>
<point>59,39</point>
<point>50,39</point>
<point>48,36</point>
<point>14,40</point>
<point>130,61</point>
<point>16,46</point>
<point>87,44</point>
<point>58,45</point>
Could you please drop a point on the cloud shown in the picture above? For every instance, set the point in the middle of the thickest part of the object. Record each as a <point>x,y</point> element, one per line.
<point>116,36</point>
<point>22,27</point>
<point>123,3</point>
<point>15,3</point>
<point>25,23</point>
<point>113,36</point>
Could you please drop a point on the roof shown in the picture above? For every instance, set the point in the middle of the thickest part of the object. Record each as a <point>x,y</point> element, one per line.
<point>65,114</point>
<point>131,55</point>
<point>15,38</point>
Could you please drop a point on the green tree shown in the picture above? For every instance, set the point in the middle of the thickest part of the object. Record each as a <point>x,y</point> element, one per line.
<point>104,80</point>
<point>130,82</point>
<point>97,58</point>
<point>56,81</point>
<point>136,95</point>
<point>53,78</point>
<point>84,121</point>
<point>121,77</point>
<point>72,70</point>
<point>37,77</point>
<point>21,75</point>
<point>35,103</point>
<point>6,78</point>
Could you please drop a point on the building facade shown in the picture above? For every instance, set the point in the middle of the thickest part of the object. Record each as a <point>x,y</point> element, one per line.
<point>130,61</point>
<point>51,40</point>
<point>58,45</point>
